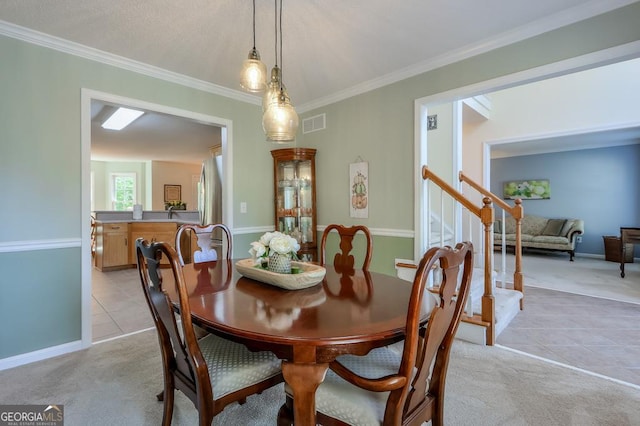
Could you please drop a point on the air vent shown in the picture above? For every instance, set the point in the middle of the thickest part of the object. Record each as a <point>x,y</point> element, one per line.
<point>313,124</point>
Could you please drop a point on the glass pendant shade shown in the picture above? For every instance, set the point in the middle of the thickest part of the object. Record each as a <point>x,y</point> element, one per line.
<point>272,93</point>
<point>254,73</point>
<point>280,120</point>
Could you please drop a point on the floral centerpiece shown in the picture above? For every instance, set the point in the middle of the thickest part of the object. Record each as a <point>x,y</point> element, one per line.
<point>275,250</point>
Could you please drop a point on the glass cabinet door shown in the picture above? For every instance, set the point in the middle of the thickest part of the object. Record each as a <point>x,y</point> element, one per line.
<point>295,197</point>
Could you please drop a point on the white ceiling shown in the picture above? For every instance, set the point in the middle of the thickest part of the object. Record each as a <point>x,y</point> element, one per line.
<point>332,48</point>
<point>596,139</point>
<point>153,136</point>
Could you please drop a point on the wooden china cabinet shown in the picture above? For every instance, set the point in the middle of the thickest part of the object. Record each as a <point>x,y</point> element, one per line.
<point>294,184</point>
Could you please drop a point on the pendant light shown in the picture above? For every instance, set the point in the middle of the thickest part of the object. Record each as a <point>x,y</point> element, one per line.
<point>273,86</point>
<point>254,71</point>
<point>280,120</point>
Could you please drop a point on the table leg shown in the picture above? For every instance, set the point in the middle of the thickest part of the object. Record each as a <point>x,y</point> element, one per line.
<point>304,379</point>
<point>623,256</point>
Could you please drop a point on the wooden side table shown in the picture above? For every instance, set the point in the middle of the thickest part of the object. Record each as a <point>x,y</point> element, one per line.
<point>627,236</point>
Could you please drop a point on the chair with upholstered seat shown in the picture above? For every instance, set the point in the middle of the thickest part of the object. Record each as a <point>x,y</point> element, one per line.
<point>344,260</point>
<point>206,241</point>
<point>391,386</point>
<point>212,372</point>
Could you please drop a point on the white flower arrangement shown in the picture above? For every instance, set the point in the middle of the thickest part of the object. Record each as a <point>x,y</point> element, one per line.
<point>273,242</point>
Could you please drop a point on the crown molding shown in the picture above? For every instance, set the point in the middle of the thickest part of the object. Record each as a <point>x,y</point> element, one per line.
<point>82,51</point>
<point>568,17</point>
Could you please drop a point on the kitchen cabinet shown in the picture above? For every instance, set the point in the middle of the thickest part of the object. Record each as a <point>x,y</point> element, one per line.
<point>111,245</point>
<point>294,180</point>
<point>115,242</point>
<point>152,232</point>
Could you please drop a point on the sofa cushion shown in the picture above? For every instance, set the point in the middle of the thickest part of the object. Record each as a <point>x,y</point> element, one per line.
<point>512,238</point>
<point>509,225</point>
<point>549,242</point>
<point>533,225</point>
<point>567,226</point>
<point>554,227</point>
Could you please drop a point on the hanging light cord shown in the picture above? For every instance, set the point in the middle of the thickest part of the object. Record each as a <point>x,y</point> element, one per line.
<point>281,59</point>
<point>254,24</point>
<point>275,26</point>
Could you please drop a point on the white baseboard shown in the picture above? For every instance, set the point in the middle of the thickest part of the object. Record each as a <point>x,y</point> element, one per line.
<point>39,355</point>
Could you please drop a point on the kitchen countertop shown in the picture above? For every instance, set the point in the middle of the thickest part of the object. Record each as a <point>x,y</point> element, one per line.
<point>177,221</point>
<point>148,216</point>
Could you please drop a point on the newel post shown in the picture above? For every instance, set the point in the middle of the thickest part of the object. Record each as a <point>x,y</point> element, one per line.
<point>518,279</point>
<point>488,300</point>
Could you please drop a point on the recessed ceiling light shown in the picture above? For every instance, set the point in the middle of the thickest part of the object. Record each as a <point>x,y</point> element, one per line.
<point>121,118</point>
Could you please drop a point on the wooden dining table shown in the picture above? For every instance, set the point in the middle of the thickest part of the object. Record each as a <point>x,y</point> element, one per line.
<point>349,312</point>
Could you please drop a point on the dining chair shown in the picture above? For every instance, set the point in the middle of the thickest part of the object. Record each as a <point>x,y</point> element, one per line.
<point>344,260</point>
<point>406,387</point>
<point>212,372</point>
<point>206,242</point>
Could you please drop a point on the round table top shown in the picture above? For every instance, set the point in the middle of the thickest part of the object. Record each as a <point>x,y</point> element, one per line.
<point>345,308</point>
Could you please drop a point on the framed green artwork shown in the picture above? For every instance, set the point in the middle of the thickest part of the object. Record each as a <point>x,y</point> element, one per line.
<point>527,190</point>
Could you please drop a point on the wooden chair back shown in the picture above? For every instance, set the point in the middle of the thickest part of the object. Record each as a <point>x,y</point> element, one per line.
<point>344,260</point>
<point>206,241</point>
<point>416,392</point>
<point>429,350</point>
<point>184,366</point>
<point>238,371</point>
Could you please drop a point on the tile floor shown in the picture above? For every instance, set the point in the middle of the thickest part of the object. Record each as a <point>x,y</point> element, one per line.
<point>591,333</point>
<point>118,306</point>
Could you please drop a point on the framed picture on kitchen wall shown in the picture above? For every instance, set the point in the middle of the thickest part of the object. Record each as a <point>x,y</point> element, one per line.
<point>359,183</point>
<point>172,193</point>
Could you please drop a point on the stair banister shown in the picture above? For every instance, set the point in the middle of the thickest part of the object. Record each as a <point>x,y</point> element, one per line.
<point>517,212</point>
<point>486,216</point>
<point>428,174</point>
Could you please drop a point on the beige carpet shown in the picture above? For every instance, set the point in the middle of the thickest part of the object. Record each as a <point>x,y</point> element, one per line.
<point>585,275</point>
<point>114,383</point>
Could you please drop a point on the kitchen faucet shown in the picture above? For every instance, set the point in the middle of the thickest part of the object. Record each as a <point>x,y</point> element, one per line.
<point>170,211</point>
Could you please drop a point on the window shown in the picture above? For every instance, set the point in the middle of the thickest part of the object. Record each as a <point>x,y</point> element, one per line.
<point>123,191</point>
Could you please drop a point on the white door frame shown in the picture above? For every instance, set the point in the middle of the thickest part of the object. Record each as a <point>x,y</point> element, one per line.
<point>88,95</point>
<point>568,66</point>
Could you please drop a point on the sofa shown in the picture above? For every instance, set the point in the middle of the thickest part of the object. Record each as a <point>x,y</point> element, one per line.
<point>540,233</point>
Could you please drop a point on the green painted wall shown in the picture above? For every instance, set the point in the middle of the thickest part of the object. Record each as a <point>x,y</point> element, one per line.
<point>40,168</point>
<point>385,249</point>
<point>40,165</point>
<point>378,125</point>
<point>40,301</point>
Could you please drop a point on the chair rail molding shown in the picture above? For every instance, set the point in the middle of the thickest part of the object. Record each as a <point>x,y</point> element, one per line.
<point>31,245</point>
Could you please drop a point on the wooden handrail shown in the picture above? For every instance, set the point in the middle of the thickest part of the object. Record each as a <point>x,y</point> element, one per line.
<point>496,200</point>
<point>428,174</point>
<point>406,265</point>
<point>516,211</point>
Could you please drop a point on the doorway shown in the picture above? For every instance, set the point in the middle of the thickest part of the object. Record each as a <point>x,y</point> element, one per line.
<point>91,97</point>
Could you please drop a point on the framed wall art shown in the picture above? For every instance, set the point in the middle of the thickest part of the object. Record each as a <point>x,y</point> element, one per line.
<point>359,194</point>
<point>527,190</point>
<point>172,193</point>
